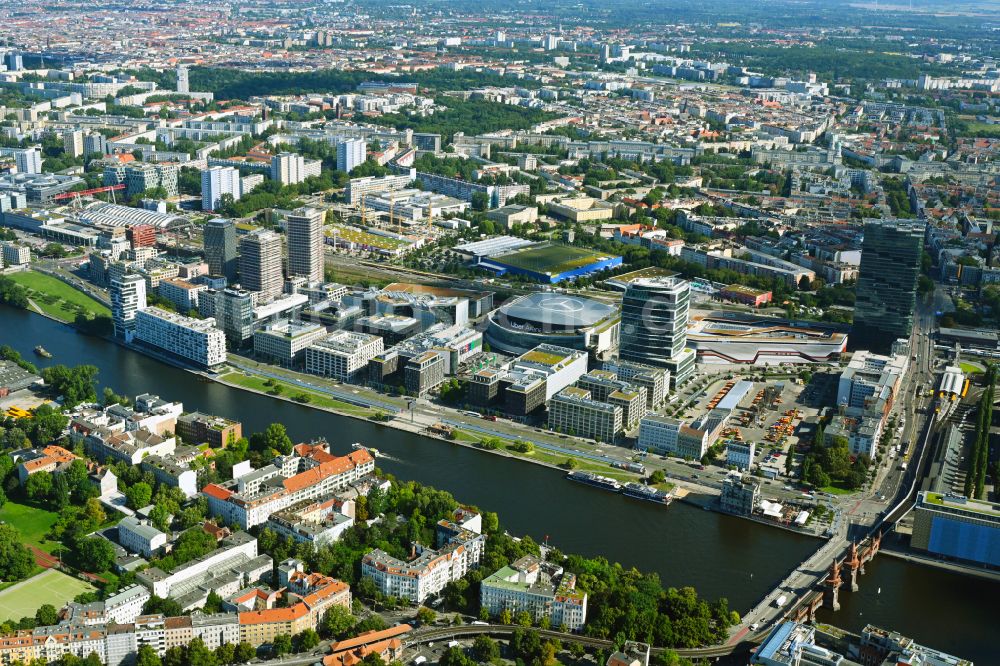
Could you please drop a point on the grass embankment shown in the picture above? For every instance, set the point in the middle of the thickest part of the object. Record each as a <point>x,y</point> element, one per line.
<point>58,299</point>
<point>559,459</point>
<point>296,393</point>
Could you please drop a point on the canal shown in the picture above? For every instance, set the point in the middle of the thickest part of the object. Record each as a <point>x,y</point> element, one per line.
<point>719,555</point>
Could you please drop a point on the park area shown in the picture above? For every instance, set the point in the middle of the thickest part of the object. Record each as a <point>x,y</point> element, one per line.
<point>32,524</point>
<point>49,587</point>
<point>56,298</point>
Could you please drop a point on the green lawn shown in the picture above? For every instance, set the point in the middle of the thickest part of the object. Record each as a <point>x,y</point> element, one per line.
<point>837,490</point>
<point>49,587</point>
<point>31,522</point>
<point>290,391</point>
<point>57,298</point>
<point>970,368</point>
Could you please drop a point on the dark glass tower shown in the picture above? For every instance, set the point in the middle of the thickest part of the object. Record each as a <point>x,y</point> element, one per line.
<point>220,248</point>
<point>887,282</point>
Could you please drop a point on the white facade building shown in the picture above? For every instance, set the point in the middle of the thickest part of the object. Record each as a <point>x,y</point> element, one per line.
<point>343,354</point>
<point>218,181</point>
<point>128,297</point>
<point>194,340</point>
<point>28,160</point>
<point>350,154</point>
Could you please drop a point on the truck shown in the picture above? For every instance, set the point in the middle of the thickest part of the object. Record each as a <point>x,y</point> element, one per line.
<point>780,601</point>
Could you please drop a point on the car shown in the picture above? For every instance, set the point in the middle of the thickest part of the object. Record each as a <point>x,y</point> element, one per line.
<point>754,626</point>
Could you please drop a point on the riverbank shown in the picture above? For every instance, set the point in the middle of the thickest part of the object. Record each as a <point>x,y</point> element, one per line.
<point>928,561</point>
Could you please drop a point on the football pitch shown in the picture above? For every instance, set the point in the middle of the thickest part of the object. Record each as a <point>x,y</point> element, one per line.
<point>49,587</point>
<point>551,259</point>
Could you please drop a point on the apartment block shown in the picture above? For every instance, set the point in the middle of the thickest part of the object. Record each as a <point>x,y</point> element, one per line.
<point>197,341</point>
<point>538,588</point>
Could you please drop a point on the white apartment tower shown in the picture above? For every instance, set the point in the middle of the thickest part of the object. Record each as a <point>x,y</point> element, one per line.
<point>182,79</point>
<point>305,244</point>
<point>73,143</point>
<point>351,153</point>
<point>128,296</point>
<point>288,168</point>
<point>260,263</point>
<point>218,181</point>
<point>28,160</point>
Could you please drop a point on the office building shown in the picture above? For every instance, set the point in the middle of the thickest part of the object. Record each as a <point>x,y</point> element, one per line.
<point>573,411</point>
<point>869,378</point>
<point>216,182</point>
<point>260,263</point>
<point>539,588</point>
<point>28,160</point>
<point>183,294</point>
<point>233,310</point>
<point>351,153</point>
<point>220,248</point>
<point>654,326</point>
<point>793,644</point>
<point>128,296</point>
<point>73,143</point>
<point>887,282</point>
<point>655,380</point>
<point>305,243</point>
<point>359,188</point>
<point>342,355</point>
<point>740,494</point>
<point>740,454</point>
<point>182,79</point>
<point>16,255</point>
<point>665,435</point>
<point>197,341</point>
<point>954,526</point>
<point>285,341</point>
<point>424,372</point>
<point>882,647</point>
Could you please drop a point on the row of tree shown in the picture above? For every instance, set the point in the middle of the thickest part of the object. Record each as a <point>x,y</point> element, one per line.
<point>975,477</point>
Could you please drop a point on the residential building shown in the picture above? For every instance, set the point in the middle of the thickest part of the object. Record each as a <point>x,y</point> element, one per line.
<point>305,243</point>
<point>220,248</point>
<point>73,143</point>
<point>216,431</point>
<point>260,263</point>
<point>138,535</point>
<point>28,160</point>
<point>142,177</point>
<point>217,181</point>
<point>351,153</point>
<point>539,588</point>
<point>342,354</point>
<point>887,281</point>
<point>171,472</point>
<point>573,411</point>
<point>197,341</point>
<point>183,294</point>
<point>292,168</point>
<point>310,474</point>
<point>654,326</point>
<point>314,522</point>
<point>182,79</point>
<point>128,297</point>
<point>233,310</point>
<point>52,459</point>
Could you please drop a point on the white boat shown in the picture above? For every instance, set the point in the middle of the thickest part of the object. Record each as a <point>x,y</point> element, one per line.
<point>358,446</point>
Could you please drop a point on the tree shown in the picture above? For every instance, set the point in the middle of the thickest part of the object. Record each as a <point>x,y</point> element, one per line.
<point>306,640</point>
<point>480,201</point>
<point>485,648</point>
<point>281,645</point>
<point>425,615</point>
<point>197,654</point>
<point>46,615</point>
<point>213,603</point>
<point>16,561</point>
<point>38,486</point>
<point>523,619</point>
<point>274,437</point>
<point>243,653</point>
<point>95,553</point>
<point>337,622</point>
<point>225,653</point>
<point>138,495</point>
<point>75,385</point>
<point>657,477</point>
<point>45,425</point>
<point>506,617</point>
<point>147,656</point>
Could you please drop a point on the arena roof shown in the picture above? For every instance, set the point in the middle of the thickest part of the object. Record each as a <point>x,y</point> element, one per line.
<point>559,310</point>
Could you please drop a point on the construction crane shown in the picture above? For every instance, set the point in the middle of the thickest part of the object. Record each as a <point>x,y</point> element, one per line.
<point>84,193</point>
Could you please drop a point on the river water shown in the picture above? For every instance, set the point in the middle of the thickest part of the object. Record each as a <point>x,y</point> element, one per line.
<point>721,556</point>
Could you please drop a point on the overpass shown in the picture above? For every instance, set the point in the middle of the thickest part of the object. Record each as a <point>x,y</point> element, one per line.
<point>504,631</point>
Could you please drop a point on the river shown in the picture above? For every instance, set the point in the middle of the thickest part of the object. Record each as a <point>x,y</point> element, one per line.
<point>717,554</point>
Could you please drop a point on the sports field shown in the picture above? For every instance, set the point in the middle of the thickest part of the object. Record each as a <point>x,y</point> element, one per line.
<point>49,587</point>
<point>57,298</point>
<point>550,258</point>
